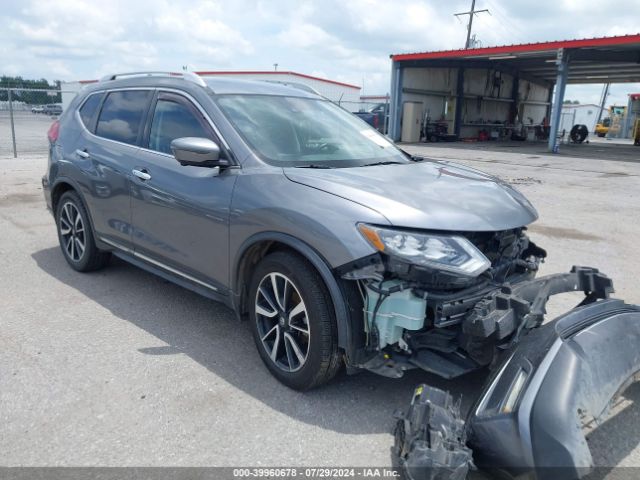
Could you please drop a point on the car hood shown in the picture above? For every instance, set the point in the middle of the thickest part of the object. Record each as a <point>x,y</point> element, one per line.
<point>429,194</point>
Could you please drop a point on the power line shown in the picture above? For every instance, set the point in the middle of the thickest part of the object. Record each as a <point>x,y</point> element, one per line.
<point>471,14</point>
<point>507,22</point>
<point>499,29</point>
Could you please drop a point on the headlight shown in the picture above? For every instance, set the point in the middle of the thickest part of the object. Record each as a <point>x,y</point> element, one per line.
<point>453,253</point>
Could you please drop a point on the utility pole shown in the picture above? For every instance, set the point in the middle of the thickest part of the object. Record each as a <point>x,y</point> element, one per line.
<point>603,101</point>
<point>471,13</point>
<point>275,67</point>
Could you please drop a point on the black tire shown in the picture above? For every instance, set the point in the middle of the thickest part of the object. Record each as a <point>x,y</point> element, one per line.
<point>88,258</point>
<point>323,359</point>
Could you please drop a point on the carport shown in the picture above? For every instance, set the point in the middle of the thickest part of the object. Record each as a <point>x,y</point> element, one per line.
<point>495,87</point>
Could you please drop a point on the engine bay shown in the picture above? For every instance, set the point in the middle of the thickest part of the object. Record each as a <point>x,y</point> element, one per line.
<point>414,316</point>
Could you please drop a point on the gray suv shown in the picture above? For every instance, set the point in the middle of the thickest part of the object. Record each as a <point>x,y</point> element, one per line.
<point>337,246</point>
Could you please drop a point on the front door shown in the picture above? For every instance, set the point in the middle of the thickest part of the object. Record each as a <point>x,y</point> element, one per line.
<point>180,213</point>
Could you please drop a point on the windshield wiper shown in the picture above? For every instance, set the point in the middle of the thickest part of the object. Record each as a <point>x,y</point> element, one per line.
<point>413,158</point>
<point>313,165</point>
<point>381,163</point>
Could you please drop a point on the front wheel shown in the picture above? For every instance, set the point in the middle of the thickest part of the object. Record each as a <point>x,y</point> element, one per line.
<point>293,321</point>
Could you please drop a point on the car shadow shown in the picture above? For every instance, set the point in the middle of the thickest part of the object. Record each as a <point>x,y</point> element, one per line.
<point>209,334</point>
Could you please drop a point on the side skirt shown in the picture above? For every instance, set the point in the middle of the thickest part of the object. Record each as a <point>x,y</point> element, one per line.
<point>194,287</point>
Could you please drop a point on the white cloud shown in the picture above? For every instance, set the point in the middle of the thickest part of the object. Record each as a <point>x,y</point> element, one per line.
<point>344,40</point>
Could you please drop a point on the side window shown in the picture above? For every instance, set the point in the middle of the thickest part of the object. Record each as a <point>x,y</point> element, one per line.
<point>173,120</point>
<point>88,110</point>
<point>121,115</point>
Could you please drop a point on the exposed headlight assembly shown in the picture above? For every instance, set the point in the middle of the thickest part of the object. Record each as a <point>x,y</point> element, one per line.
<point>450,253</point>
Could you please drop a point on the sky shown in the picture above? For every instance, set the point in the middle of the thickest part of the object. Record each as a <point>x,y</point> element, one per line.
<point>345,40</point>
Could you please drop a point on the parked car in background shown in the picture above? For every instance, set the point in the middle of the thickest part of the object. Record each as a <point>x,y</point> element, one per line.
<point>53,109</point>
<point>375,116</point>
<point>37,109</point>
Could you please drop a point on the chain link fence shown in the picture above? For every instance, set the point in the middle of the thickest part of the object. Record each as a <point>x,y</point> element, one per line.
<point>25,117</point>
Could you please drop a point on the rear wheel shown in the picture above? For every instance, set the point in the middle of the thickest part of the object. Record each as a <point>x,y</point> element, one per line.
<point>293,321</point>
<point>75,235</point>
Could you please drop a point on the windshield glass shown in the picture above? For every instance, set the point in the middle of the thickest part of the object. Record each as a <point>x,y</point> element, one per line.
<point>303,132</point>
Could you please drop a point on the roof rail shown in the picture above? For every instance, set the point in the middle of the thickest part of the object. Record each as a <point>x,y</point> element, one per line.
<point>189,76</point>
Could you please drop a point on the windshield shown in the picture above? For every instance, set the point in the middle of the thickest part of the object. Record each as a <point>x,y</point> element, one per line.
<point>306,132</point>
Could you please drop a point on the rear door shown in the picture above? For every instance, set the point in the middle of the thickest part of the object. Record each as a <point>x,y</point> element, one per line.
<point>181,213</point>
<point>107,150</point>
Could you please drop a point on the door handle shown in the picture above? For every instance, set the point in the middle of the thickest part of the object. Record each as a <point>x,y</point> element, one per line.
<point>141,174</point>
<point>82,153</point>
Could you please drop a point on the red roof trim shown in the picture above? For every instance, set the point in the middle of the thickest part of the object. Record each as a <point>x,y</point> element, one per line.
<point>525,47</point>
<point>274,72</point>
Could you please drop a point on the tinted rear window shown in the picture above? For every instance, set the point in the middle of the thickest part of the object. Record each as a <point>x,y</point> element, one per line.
<point>89,108</point>
<point>121,115</point>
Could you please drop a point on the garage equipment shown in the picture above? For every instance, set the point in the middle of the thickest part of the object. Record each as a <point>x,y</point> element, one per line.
<point>579,133</point>
<point>437,131</point>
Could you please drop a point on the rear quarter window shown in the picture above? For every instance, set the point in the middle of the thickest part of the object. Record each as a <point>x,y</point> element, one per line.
<point>122,115</point>
<point>89,109</point>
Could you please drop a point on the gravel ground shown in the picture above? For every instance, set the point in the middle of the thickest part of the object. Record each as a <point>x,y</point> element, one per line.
<point>120,368</point>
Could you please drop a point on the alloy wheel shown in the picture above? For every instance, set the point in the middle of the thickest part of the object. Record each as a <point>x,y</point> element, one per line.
<point>72,231</point>
<point>282,321</point>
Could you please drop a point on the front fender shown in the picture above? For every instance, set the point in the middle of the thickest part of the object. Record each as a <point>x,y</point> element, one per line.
<point>340,296</point>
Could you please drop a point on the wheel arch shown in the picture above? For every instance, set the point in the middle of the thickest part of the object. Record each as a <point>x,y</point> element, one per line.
<point>66,184</point>
<point>59,189</point>
<point>258,246</point>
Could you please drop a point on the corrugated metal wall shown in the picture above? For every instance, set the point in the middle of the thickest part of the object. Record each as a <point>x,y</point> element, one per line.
<point>487,97</point>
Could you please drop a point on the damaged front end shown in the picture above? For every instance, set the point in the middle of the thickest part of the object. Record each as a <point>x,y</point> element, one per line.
<point>450,303</point>
<point>528,421</point>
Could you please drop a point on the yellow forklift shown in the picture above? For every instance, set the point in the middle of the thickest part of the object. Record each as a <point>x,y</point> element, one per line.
<point>611,124</point>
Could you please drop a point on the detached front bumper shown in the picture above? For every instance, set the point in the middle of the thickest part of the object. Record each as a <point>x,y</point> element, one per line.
<point>529,418</point>
<point>527,422</point>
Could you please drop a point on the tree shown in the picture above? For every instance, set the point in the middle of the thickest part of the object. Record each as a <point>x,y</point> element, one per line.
<point>30,97</point>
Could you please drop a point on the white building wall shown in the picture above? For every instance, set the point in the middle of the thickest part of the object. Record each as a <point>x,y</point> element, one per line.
<point>68,92</point>
<point>579,115</point>
<point>333,91</point>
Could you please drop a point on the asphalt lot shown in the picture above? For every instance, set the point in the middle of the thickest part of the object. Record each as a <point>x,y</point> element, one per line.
<point>120,368</point>
<point>30,129</point>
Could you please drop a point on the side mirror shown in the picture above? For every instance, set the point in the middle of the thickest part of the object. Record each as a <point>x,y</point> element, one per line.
<point>199,152</point>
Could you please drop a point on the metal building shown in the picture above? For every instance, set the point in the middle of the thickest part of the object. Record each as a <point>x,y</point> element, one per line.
<point>497,87</point>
